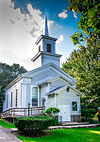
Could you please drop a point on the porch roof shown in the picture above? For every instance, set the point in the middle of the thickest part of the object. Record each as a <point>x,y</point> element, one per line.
<point>52,91</point>
<point>63,87</point>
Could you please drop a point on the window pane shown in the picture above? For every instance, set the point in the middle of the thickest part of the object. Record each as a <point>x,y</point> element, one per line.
<point>48,47</point>
<point>16,97</point>
<point>11,98</point>
<point>74,106</point>
<point>35,96</point>
<point>7,102</point>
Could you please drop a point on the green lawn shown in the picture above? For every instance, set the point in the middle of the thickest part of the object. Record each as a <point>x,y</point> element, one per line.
<point>68,135</point>
<point>6,124</point>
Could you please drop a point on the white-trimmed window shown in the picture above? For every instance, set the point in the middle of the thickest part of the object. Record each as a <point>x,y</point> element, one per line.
<point>49,48</point>
<point>35,96</point>
<point>74,106</point>
<point>16,102</point>
<point>7,102</point>
<point>11,99</point>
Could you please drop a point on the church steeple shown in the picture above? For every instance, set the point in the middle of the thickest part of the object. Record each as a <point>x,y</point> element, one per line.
<point>46,49</point>
<point>45,28</point>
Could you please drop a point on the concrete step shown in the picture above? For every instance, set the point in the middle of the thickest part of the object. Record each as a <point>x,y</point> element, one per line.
<point>75,126</point>
<point>74,123</point>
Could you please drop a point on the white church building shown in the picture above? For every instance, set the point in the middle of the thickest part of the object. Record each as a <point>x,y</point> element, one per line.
<point>46,85</point>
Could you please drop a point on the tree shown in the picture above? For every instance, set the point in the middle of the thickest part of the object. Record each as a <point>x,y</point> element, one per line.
<point>7,74</point>
<point>89,22</point>
<point>84,63</point>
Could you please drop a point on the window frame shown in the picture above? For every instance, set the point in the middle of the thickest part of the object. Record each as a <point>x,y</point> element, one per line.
<point>11,99</point>
<point>16,101</point>
<point>7,101</point>
<point>49,49</point>
<point>37,96</point>
<point>73,106</point>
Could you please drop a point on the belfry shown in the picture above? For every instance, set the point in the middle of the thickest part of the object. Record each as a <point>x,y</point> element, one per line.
<point>46,49</point>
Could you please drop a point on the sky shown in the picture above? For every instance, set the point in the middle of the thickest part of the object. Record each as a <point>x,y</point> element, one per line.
<point>21,23</point>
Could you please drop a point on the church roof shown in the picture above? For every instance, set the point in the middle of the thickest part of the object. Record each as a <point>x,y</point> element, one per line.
<point>29,73</point>
<point>45,37</point>
<point>49,64</point>
<point>45,29</point>
<point>52,91</point>
<point>45,53</point>
<point>63,87</point>
<point>66,76</point>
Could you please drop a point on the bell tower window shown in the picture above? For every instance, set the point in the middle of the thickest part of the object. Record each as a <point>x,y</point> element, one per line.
<point>48,47</point>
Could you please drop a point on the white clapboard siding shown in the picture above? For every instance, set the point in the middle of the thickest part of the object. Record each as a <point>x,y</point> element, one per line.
<point>57,83</point>
<point>66,98</point>
<point>13,90</point>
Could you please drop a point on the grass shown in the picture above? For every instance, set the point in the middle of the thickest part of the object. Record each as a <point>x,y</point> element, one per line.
<point>6,124</point>
<point>68,135</point>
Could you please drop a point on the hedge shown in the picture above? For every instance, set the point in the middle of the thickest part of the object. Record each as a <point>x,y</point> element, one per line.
<point>33,126</point>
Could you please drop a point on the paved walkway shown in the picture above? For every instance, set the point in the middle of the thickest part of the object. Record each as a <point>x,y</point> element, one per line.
<point>7,136</point>
<point>68,127</point>
<point>75,126</point>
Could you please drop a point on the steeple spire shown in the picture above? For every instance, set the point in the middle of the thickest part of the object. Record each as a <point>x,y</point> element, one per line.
<point>45,28</point>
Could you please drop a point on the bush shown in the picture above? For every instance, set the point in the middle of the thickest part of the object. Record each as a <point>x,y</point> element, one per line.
<point>33,126</point>
<point>88,113</point>
<point>98,117</point>
<point>90,121</point>
<point>52,111</point>
<point>55,120</point>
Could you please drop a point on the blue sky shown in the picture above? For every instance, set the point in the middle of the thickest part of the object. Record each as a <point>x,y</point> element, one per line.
<point>22,24</point>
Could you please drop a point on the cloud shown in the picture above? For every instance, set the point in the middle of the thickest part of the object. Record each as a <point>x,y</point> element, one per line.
<point>18,33</point>
<point>63,14</point>
<point>60,39</point>
<point>50,23</point>
<point>74,14</point>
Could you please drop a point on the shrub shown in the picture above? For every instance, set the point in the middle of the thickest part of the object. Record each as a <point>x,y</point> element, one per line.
<point>33,126</point>
<point>88,113</point>
<point>55,120</point>
<point>52,111</point>
<point>89,120</point>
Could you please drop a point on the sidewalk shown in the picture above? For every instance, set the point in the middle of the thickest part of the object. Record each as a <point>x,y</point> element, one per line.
<point>7,136</point>
<point>73,126</point>
<point>67,127</point>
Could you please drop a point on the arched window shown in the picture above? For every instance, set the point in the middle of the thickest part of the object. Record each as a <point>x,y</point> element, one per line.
<point>48,47</point>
